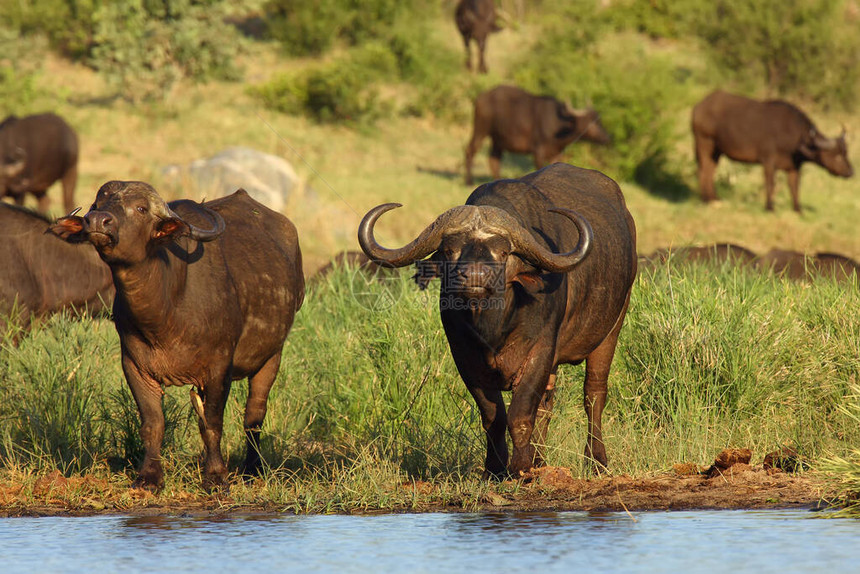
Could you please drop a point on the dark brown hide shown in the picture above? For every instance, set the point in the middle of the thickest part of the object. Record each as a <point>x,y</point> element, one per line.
<point>716,253</point>
<point>42,274</point>
<point>773,133</point>
<point>520,122</point>
<point>475,20</point>
<point>198,313</point>
<point>797,265</point>
<point>511,334</point>
<point>36,151</point>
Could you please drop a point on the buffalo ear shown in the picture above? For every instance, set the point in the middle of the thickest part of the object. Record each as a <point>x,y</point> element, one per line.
<point>69,228</point>
<point>170,229</point>
<point>425,271</point>
<point>531,281</point>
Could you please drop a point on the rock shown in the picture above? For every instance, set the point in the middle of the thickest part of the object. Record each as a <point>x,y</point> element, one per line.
<point>785,459</point>
<point>269,179</point>
<point>686,469</point>
<point>731,456</point>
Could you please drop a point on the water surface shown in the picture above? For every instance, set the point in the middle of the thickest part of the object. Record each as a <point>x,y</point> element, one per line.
<point>695,541</point>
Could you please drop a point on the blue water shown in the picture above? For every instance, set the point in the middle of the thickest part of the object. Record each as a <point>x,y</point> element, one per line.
<point>713,542</point>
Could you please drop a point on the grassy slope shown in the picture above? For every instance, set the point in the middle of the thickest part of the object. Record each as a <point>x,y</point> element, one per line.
<point>418,162</point>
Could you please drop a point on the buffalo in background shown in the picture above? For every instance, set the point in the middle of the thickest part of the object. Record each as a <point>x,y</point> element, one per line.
<point>520,122</point>
<point>773,133</point>
<point>36,151</point>
<point>42,275</point>
<point>206,294</point>
<point>476,19</point>
<point>536,272</point>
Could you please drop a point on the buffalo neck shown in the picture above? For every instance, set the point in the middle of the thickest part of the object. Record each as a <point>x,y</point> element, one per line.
<point>147,292</point>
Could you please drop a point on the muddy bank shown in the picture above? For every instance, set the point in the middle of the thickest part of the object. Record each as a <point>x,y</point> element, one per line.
<point>547,489</point>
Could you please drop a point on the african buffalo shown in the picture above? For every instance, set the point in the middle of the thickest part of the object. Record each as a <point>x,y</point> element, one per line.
<point>536,272</point>
<point>797,265</point>
<point>36,151</point>
<point>520,122</point>
<point>476,19</point>
<point>43,275</point>
<point>206,294</point>
<point>715,253</point>
<point>773,133</point>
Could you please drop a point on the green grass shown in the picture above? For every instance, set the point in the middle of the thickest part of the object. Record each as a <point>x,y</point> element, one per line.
<point>368,399</point>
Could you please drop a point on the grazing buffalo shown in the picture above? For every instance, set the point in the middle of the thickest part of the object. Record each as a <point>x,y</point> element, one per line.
<point>773,133</point>
<point>475,20</point>
<point>797,265</point>
<point>206,294</point>
<point>536,272</point>
<point>36,151</point>
<point>520,122</point>
<point>716,253</point>
<point>44,275</point>
<point>355,259</point>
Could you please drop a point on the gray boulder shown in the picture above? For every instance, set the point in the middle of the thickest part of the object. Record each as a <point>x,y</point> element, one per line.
<point>267,178</point>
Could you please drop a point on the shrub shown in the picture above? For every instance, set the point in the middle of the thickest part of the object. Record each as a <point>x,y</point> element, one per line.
<point>308,27</point>
<point>20,65</point>
<point>792,46</point>
<point>341,90</point>
<point>145,47</point>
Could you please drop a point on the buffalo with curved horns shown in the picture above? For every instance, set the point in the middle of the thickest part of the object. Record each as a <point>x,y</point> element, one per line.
<point>774,133</point>
<point>205,295</point>
<point>536,272</point>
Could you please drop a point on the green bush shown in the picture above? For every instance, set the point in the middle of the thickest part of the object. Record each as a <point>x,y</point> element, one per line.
<point>69,25</point>
<point>20,65</point>
<point>792,46</point>
<point>144,47</point>
<point>340,90</point>
<point>308,27</point>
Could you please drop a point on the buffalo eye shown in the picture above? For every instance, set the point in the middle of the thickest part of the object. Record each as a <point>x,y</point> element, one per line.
<point>141,209</point>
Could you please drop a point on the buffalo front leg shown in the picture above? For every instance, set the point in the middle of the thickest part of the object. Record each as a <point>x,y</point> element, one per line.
<point>769,184</point>
<point>211,426</point>
<point>471,150</point>
<point>597,365</point>
<point>259,385</point>
<point>544,414</point>
<point>794,187</point>
<point>147,395</point>
<point>496,161</point>
<point>494,421</point>
<point>522,413</point>
<point>466,39</point>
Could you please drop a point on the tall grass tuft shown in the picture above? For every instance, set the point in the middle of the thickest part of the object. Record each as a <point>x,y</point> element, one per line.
<point>368,400</point>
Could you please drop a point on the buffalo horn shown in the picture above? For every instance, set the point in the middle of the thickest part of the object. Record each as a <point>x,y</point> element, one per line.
<point>162,210</point>
<point>527,246</point>
<point>425,244</point>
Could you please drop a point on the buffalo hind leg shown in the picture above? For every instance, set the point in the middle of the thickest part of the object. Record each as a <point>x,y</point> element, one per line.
<point>70,180</point>
<point>707,157</point>
<point>494,421</point>
<point>214,400</point>
<point>482,45</point>
<point>259,385</point>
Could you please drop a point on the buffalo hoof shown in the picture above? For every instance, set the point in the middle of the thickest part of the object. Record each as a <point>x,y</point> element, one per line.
<point>216,484</point>
<point>496,476</point>
<point>148,485</point>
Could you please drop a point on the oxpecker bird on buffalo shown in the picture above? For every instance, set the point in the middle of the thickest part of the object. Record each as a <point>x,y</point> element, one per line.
<point>205,294</point>
<point>535,272</point>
